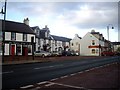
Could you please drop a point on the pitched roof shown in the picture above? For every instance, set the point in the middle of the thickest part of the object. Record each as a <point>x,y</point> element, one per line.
<point>11,26</point>
<point>59,38</point>
<point>35,27</point>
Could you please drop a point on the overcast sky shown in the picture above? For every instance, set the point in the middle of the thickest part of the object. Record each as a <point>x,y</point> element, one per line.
<point>67,18</point>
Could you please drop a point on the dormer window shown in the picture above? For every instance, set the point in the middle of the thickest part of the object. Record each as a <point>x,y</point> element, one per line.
<point>13,36</point>
<point>24,37</point>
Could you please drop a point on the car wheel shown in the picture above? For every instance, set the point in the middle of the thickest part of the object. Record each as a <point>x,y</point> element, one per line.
<point>43,55</point>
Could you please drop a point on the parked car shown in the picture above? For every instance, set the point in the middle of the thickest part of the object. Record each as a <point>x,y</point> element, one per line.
<point>42,53</point>
<point>70,53</point>
<point>55,53</point>
<point>73,53</point>
<point>107,53</point>
<point>117,53</point>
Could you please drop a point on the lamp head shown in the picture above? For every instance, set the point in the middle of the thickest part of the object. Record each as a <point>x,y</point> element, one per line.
<point>112,27</point>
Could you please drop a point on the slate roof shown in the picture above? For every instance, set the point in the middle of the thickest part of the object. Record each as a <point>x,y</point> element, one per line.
<point>11,26</point>
<point>59,38</point>
<point>95,33</point>
<point>116,43</point>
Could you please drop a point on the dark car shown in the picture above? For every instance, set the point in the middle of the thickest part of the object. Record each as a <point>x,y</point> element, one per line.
<point>66,53</point>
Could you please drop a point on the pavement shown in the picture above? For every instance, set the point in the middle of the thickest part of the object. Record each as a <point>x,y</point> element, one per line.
<point>49,59</point>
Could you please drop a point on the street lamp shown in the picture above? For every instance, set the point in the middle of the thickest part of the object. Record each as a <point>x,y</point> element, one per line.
<point>108,29</point>
<point>108,34</point>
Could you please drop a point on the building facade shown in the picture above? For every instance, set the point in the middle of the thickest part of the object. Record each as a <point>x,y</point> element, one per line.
<point>92,44</point>
<point>19,39</point>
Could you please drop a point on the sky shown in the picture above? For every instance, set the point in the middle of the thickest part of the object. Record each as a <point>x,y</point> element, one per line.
<point>67,18</point>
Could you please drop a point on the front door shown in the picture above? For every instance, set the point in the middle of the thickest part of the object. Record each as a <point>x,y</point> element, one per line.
<point>12,50</point>
<point>24,51</point>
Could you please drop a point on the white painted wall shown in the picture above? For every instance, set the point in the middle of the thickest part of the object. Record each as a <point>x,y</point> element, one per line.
<point>29,37</point>
<point>6,49</point>
<point>87,41</point>
<point>75,43</point>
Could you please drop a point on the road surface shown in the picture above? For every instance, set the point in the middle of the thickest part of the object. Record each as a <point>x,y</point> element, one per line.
<point>15,76</point>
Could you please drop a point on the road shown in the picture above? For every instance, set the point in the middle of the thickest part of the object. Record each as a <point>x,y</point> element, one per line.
<point>15,76</point>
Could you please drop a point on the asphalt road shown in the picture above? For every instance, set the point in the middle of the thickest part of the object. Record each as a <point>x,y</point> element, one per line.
<point>15,76</point>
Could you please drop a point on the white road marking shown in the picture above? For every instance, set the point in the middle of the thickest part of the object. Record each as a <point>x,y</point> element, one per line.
<point>67,85</point>
<point>28,86</point>
<point>50,84</point>
<point>80,72</point>
<point>48,66</point>
<point>37,88</point>
<point>72,74</point>
<point>42,82</point>
<point>7,72</point>
<point>64,76</point>
<point>51,66</point>
<point>54,79</point>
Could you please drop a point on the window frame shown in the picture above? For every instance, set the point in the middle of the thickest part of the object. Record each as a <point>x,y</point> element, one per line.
<point>93,42</point>
<point>13,36</point>
<point>24,35</point>
<point>93,52</point>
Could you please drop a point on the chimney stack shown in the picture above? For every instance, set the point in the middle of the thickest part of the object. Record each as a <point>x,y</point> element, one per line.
<point>26,21</point>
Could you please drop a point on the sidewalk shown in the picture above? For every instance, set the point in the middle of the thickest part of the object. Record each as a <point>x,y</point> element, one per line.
<point>48,59</point>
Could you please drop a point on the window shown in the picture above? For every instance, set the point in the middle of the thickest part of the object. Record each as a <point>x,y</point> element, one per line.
<point>24,37</point>
<point>13,36</point>
<point>76,43</point>
<point>72,44</point>
<point>55,43</point>
<point>93,42</point>
<point>1,34</point>
<point>29,49</point>
<point>37,32</point>
<point>18,49</point>
<point>38,41</point>
<point>93,51</point>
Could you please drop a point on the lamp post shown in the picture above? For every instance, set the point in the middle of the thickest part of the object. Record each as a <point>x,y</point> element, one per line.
<point>3,11</point>
<point>108,29</point>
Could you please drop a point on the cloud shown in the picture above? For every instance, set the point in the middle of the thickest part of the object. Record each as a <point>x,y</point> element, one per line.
<point>88,15</point>
<point>73,17</point>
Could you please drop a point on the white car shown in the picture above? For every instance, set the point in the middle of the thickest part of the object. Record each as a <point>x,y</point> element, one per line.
<point>42,53</point>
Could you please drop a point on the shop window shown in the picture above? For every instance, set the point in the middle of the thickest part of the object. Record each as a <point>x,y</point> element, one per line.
<point>29,49</point>
<point>24,37</point>
<point>13,36</point>
<point>93,51</point>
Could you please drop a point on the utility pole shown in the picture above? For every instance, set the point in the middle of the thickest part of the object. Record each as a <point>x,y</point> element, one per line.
<point>3,30</point>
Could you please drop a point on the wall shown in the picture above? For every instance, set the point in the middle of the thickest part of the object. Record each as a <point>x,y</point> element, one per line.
<point>75,44</point>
